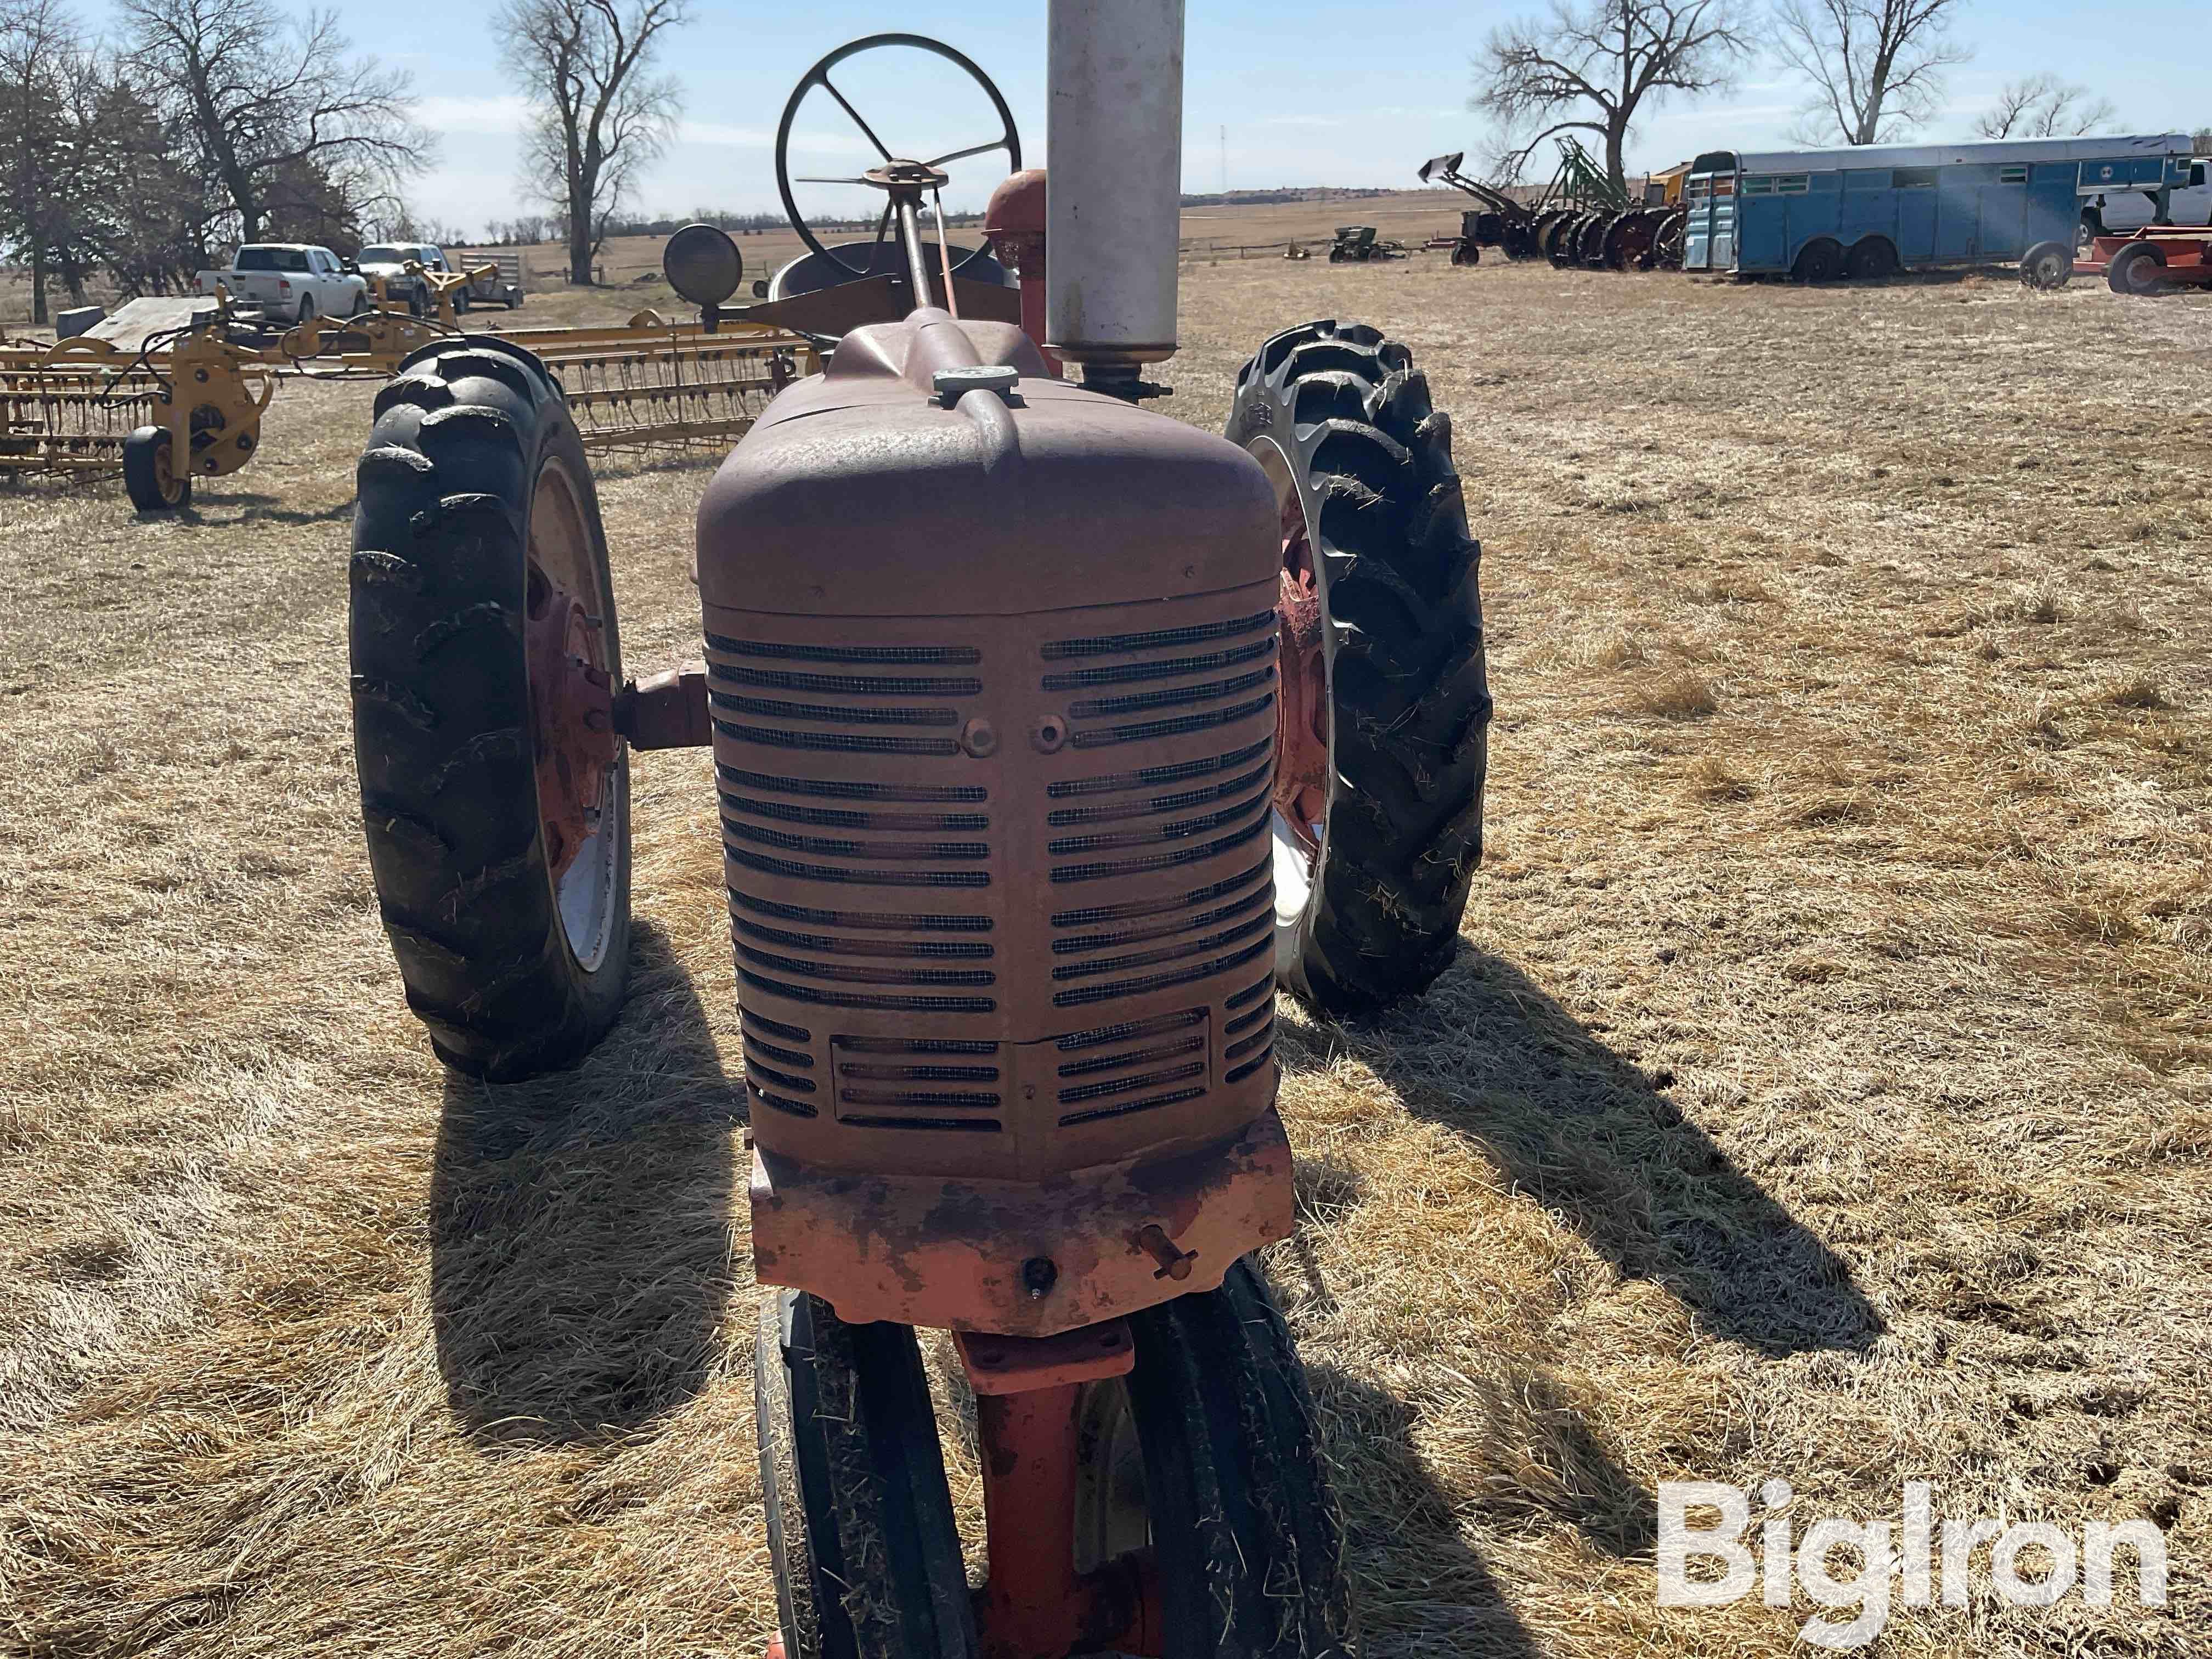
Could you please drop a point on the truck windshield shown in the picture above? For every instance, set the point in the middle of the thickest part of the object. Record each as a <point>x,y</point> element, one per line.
<point>382,255</point>
<point>272,258</point>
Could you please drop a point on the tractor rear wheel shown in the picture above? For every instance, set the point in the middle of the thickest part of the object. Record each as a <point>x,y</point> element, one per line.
<point>151,477</point>
<point>1385,699</point>
<point>494,794</point>
<point>859,1521</point>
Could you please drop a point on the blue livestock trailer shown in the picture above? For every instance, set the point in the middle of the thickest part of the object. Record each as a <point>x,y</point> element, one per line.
<point>1876,209</point>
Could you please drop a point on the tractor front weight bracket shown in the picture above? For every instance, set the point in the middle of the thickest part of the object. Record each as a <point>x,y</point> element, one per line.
<point>1028,1411</point>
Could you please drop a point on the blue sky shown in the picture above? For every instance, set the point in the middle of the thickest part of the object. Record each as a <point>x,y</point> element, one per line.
<point>1357,92</point>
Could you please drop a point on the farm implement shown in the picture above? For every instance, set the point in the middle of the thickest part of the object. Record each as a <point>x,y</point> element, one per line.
<point>1581,218</point>
<point>186,403</point>
<point>1051,737</point>
<point>2150,260</point>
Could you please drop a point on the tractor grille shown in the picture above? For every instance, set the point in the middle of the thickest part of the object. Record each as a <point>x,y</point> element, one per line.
<point>1037,950</point>
<point>1109,829</point>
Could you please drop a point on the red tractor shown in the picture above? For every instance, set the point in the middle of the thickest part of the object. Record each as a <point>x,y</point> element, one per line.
<point>1051,735</point>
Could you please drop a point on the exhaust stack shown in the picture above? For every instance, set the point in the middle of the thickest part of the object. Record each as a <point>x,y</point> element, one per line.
<point>1114,144</point>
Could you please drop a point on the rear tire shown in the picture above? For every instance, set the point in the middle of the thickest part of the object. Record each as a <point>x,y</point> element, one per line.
<point>1467,253</point>
<point>1342,422</point>
<point>1872,259</point>
<point>859,1522</point>
<point>150,477</point>
<point>512,934</point>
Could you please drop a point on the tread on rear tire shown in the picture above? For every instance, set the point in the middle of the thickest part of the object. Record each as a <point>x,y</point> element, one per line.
<point>442,714</point>
<point>1344,411</point>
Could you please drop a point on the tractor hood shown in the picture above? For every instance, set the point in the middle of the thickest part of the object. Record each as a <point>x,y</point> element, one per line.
<point>864,491</point>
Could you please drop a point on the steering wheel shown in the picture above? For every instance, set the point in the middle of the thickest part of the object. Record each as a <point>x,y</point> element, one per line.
<point>897,175</point>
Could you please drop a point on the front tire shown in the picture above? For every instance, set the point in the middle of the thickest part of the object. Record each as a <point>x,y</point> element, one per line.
<point>1378,555</point>
<point>859,1522</point>
<point>484,643</point>
<point>2047,266</point>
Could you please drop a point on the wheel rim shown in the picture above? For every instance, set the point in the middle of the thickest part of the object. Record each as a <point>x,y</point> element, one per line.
<point>1302,703</point>
<point>580,775</point>
<point>166,479</point>
<point>1113,1515</point>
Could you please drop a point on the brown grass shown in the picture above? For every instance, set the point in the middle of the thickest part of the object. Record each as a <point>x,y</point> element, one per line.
<point>1810,1099</point>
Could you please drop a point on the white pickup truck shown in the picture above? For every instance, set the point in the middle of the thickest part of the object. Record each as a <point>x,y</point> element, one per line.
<point>2123,210</point>
<point>290,282</point>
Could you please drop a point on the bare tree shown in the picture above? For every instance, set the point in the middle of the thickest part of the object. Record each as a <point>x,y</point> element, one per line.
<point>1876,65</point>
<point>264,99</point>
<point>2044,106</point>
<point>598,114</point>
<point>1593,67</point>
<point>38,47</point>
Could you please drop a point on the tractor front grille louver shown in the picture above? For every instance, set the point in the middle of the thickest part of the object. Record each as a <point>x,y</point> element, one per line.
<point>924,836</point>
<point>1145,822</point>
<point>1043,948</point>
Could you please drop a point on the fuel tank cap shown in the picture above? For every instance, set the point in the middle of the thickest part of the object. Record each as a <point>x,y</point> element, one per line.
<point>950,384</point>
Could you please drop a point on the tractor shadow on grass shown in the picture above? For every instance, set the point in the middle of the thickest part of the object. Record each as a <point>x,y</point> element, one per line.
<point>1591,1138</point>
<point>580,1263</point>
<point>1421,1588</point>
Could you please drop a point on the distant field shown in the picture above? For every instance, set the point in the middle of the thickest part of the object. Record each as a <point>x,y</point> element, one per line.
<point>1823,1089</point>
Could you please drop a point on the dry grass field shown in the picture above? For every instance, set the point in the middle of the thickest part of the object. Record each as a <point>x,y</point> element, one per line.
<point>1823,1091</point>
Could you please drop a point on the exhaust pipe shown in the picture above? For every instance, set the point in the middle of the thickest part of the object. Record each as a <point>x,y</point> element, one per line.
<point>1113,164</point>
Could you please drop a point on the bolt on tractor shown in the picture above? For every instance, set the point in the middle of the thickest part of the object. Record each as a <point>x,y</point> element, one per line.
<point>1050,736</point>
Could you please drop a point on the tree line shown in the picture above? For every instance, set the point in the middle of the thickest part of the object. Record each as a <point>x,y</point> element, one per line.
<point>1875,69</point>
<point>202,124</point>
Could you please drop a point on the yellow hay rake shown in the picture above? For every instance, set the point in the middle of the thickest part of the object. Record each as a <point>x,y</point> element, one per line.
<point>188,404</point>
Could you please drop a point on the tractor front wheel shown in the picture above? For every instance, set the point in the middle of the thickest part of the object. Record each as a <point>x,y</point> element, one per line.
<point>494,790</point>
<point>1385,695</point>
<point>859,1521</point>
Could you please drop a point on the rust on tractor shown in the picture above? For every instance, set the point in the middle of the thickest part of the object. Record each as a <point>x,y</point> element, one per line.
<point>1034,1602</point>
<point>1017,1364</point>
<point>571,695</point>
<point>665,711</point>
<point>1301,737</point>
<point>992,678</point>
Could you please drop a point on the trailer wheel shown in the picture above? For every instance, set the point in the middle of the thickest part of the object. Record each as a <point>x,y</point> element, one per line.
<point>1872,259</point>
<point>1385,700</point>
<point>495,794</point>
<point>1820,260</point>
<point>2139,270</point>
<point>859,1522</point>
<point>1465,252</point>
<point>2047,266</point>
<point>151,475</point>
